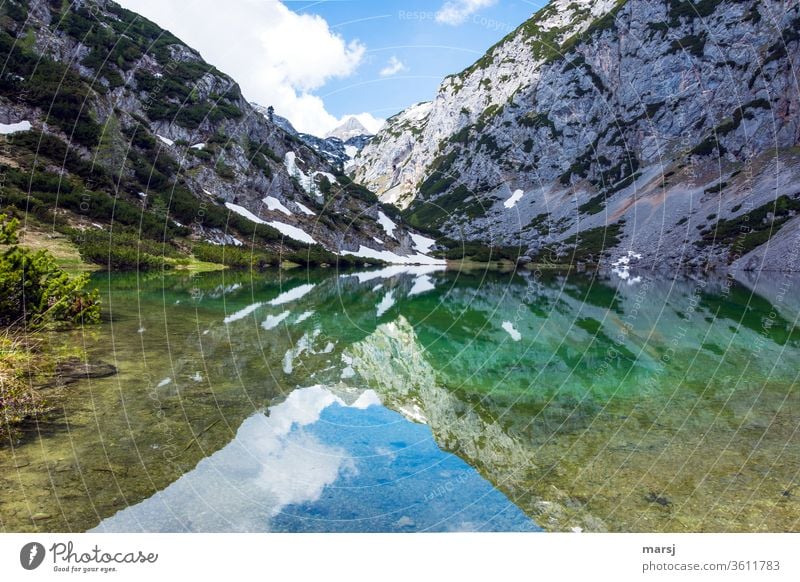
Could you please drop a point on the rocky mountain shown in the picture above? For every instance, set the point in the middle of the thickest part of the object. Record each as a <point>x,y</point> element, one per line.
<point>273,117</point>
<point>339,147</point>
<point>339,153</point>
<point>351,128</point>
<point>661,133</point>
<point>107,119</point>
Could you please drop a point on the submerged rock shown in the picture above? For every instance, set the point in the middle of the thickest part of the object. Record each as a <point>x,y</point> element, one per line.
<point>74,369</point>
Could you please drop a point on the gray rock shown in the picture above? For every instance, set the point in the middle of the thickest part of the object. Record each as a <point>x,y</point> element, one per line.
<point>665,121</point>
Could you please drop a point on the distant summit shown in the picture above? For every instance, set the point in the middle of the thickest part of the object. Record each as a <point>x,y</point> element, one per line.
<point>352,127</point>
<point>339,147</point>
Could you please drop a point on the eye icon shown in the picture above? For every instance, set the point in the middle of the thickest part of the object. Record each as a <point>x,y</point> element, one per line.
<point>31,555</point>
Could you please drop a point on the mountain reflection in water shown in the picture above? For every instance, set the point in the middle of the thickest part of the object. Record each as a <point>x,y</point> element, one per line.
<point>414,399</point>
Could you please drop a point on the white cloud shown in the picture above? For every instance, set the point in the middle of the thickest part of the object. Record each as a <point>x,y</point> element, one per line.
<point>393,67</point>
<point>455,12</point>
<point>278,57</point>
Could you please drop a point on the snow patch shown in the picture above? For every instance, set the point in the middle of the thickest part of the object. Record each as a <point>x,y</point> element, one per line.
<point>387,224</point>
<point>388,272</point>
<point>386,303</point>
<point>290,163</point>
<point>390,257</point>
<point>621,267</point>
<point>306,181</point>
<point>273,321</point>
<point>422,244</point>
<point>288,362</point>
<point>421,285</point>
<point>292,232</point>
<point>304,209</point>
<point>292,295</point>
<point>331,178</point>
<point>242,211</point>
<point>198,146</point>
<point>303,345</point>
<point>242,313</point>
<point>348,371</point>
<point>275,204</point>
<point>303,316</point>
<point>165,140</point>
<point>515,197</point>
<point>512,331</point>
<point>9,128</point>
<point>413,413</point>
<point>351,152</point>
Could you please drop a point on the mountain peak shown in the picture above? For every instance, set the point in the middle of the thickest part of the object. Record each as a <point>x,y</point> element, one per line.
<point>352,127</point>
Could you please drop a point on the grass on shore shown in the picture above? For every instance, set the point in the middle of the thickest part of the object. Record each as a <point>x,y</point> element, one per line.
<point>194,265</point>
<point>19,402</point>
<point>36,237</point>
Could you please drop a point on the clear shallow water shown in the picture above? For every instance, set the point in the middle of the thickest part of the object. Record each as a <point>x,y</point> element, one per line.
<point>413,400</point>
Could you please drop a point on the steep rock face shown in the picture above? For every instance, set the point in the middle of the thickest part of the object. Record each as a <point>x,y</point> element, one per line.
<point>387,163</point>
<point>123,110</point>
<point>667,129</point>
<point>398,157</point>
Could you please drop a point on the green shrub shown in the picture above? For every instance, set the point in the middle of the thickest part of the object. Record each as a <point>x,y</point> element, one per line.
<point>45,146</point>
<point>590,244</point>
<point>690,9</point>
<point>121,251</point>
<point>480,252</point>
<point>252,258</point>
<point>49,191</point>
<point>349,188</point>
<point>35,290</point>
<point>234,257</point>
<point>693,44</point>
<point>224,171</point>
<point>747,231</point>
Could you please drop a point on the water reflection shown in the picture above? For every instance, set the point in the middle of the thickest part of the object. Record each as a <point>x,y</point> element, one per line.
<point>635,404</point>
<point>299,466</point>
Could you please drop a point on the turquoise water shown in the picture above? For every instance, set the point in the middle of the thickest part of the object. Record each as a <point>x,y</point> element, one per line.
<point>422,400</point>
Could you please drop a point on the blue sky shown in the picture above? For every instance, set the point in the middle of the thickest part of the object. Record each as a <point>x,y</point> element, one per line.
<point>318,62</point>
<point>407,29</point>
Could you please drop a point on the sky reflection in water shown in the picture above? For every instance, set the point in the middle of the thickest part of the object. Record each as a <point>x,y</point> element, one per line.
<point>314,463</point>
